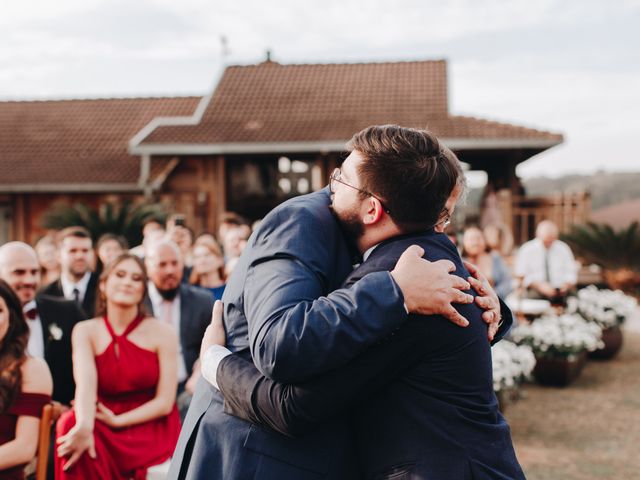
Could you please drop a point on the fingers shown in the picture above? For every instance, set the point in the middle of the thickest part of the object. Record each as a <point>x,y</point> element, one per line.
<point>447,264</point>
<point>478,286</point>
<point>414,251</point>
<point>473,270</point>
<point>75,456</point>
<point>459,283</point>
<point>92,451</point>
<point>454,316</point>
<point>491,332</point>
<point>460,297</point>
<point>488,303</point>
<point>216,313</point>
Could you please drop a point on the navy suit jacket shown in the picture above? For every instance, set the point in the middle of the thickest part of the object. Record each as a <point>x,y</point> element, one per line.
<point>422,401</point>
<point>88,306</point>
<point>195,315</point>
<point>281,312</point>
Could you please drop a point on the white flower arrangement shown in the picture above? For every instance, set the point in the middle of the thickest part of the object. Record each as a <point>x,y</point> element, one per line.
<point>607,308</point>
<point>511,364</point>
<point>564,336</point>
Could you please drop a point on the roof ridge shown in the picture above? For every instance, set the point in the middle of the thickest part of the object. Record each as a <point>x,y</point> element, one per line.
<point>272,63</point>
<point>97,99</point>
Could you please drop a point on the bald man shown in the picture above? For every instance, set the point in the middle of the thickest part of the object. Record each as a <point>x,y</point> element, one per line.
<point>185,307</point>
<point>50,319</point>
<point>546,265</point>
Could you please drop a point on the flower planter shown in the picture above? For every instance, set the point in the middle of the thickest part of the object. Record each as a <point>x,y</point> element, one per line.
<point>612,339</point>
<point>559,371</point>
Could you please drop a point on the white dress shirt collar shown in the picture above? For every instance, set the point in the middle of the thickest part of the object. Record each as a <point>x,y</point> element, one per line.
<point>68,286</point>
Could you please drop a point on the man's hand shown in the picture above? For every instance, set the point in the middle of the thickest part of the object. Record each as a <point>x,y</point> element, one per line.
<point>214,334</point>
<point>428,287</point>
<point>487,299</point>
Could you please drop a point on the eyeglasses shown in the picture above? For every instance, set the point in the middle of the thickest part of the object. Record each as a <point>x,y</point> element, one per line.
<point>445,221</point>
<point>335,177</point>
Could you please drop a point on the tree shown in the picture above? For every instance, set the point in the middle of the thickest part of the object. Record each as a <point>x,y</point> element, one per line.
<point>125,219</point>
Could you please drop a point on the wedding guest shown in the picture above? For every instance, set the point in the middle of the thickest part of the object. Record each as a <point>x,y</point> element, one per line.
<point>46,250</point>
<point>546,265</point>
<point>491,264</point>
<point>208,268</point>
<point>77,280</point>
<point>50,319</point>
<point>179,233</point>
<point>109,247</point>
<point>152,229</point>
<point>124,419</point>
<point>499,239</point>
<point>25,388</point>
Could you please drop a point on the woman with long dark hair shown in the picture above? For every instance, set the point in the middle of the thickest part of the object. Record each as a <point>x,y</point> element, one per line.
<point>124,418</point>
<point>25,387</point>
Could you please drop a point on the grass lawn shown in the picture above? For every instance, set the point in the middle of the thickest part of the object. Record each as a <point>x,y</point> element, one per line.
<point>588,430</point>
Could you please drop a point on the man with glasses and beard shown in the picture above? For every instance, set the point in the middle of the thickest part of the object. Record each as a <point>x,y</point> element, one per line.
<point>286,315</point>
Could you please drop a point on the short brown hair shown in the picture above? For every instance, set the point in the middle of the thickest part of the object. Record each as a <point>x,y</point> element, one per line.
<point>409,170</point>
<point>76,231</point>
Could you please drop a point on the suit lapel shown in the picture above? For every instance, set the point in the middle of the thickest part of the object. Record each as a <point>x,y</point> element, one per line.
<point>185,308</point>
<point>45,322</point>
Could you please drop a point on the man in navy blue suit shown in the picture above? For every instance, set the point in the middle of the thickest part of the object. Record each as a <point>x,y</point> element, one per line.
<point>283,313</point>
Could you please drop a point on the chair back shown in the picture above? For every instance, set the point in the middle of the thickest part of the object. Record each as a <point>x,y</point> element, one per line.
<point>50,414</point>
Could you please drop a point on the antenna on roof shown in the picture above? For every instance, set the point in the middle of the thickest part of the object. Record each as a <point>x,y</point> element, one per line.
<point>224,44</point>
<point>268,56</point>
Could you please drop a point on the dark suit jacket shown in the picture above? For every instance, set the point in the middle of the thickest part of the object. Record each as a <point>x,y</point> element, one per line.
<point>279,311</point>
<point>54,289</point>
<point>423,401</point>
<point>195,315</point>
<point>58,317</point>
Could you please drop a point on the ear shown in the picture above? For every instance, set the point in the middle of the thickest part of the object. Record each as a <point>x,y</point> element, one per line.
<point>373,211</point>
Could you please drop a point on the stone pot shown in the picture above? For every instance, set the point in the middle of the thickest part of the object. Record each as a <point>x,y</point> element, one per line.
<point>559,371</point>
<point>612,339</point>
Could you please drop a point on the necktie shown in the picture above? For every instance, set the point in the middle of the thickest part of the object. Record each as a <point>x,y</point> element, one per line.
<point>76,295</point>
<point>31,314</point>
<point>547,275</point>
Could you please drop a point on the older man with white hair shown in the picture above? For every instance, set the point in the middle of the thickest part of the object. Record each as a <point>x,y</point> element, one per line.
<point>546,265</point>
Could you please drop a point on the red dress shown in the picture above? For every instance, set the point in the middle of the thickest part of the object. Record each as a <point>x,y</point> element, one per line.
<point>29,404</point>
<point>127,377</point>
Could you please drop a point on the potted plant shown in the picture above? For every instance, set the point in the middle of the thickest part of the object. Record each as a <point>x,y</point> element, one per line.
<point>512,364</point>
<point>608,309</point>
<point>616,251</point>
<point>560,344</point>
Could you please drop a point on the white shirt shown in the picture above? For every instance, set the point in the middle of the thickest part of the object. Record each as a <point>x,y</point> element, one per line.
<point>35,347</point>
<point>530,263</point>
<point>158,306</point>
<point>68,286</point>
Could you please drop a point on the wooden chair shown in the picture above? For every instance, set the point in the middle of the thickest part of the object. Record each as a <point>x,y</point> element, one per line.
<point>50,414</point>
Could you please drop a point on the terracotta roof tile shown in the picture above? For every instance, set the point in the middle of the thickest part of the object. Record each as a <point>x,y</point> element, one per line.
<point>270,102</point>
<point>77,141</point>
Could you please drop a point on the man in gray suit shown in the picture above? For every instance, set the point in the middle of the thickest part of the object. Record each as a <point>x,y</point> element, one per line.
<point>186,308</point>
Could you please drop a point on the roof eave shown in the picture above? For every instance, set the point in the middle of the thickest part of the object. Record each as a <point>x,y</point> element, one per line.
<point>70,188</point>
<point>326,146</point>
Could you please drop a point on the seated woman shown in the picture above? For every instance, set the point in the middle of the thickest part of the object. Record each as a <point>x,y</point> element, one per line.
<point>25,387</point>
<point>208,268</point>
<point>491,264</point>
<point>124,418</point>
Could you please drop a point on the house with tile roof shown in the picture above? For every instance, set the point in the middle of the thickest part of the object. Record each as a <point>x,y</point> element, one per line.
<point>266,133</point>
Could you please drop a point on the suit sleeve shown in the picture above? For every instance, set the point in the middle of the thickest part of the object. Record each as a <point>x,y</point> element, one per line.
<point>294,409</point>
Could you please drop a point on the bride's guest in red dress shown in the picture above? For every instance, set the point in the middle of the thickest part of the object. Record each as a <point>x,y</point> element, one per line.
<point>25,387</point>
<point>124,418</point>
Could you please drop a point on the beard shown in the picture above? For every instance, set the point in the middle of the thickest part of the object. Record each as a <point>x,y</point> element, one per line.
<point>170,294</point>
<point>350,223</point>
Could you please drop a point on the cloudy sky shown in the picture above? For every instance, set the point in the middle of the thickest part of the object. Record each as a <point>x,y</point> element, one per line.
<point>571,66</point>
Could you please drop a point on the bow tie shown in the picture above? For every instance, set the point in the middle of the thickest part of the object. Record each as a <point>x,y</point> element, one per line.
<point>31,314</point>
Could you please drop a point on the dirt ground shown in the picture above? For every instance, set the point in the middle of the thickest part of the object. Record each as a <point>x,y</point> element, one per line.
<point>588,430</point>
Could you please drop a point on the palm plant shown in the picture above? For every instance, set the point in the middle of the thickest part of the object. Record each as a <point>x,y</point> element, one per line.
<point>125,219</point>
<point>617,252</point>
